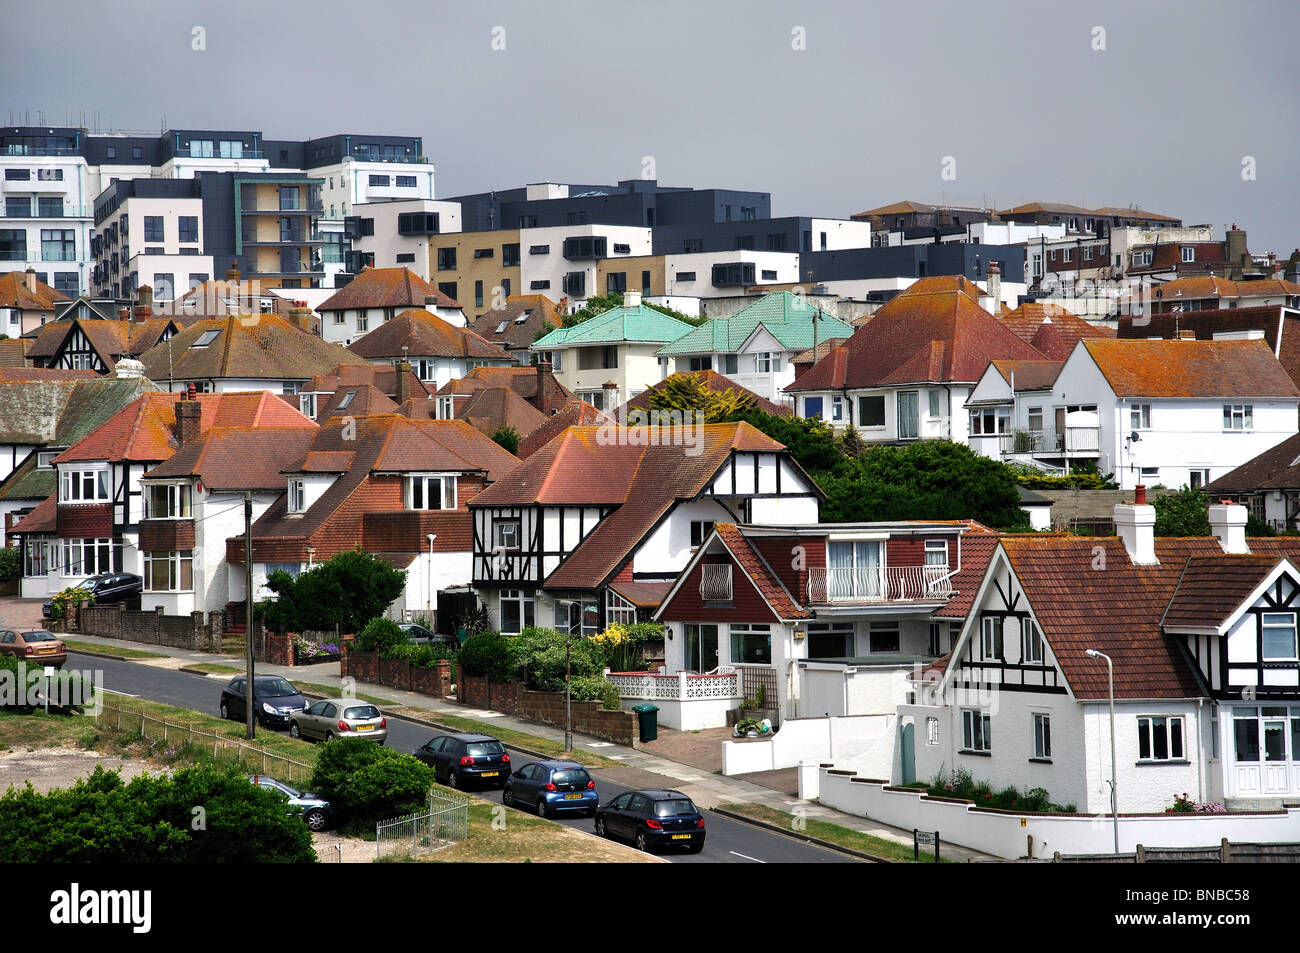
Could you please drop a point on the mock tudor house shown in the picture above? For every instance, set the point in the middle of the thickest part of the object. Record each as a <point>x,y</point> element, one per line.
<point>594,527</point>
<point>92,523</point>
<point>828,618</point>
<point>377,295</point>
<point>906,374</point>
<point>574,413</point>
<point>437,350</point>
<point>95,344</point>
<point>1202,636</point>
<point>394,486</point>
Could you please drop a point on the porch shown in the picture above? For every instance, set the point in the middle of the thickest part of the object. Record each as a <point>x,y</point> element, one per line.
<point>690,701</point>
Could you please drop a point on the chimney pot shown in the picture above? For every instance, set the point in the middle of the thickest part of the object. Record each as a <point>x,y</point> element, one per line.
<point>232,273</point>
<point>189,417</point>
<point>1140,495</point>
<point>430,302</point>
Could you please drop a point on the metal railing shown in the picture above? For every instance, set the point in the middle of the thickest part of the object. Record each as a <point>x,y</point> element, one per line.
<point>879,584</point>
<point>715,582</point>
<point>1051,441</point>
<point>443,824</point>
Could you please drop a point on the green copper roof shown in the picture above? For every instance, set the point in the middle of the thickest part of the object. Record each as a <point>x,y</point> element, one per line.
<point>785,316</point>
<point>615,325</point>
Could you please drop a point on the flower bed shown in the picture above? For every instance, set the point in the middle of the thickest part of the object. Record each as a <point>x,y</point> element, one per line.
<point>307,652</point>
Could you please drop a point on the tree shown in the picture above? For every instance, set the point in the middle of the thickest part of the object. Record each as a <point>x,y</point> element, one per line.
<point>507,438</point>
<point>687,393</point>
<point>599,304</point>
<point>347,590</point>
<point>1185,513</point>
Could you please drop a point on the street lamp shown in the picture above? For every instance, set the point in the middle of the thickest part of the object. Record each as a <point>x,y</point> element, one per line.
<point>1114,780</point>
<point>568,694</point>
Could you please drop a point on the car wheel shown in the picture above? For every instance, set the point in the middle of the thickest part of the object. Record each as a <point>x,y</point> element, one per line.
<point>452,780</point>
<point>316,820</point>
<point>642,843</point>
<point>329,736</point>
<point>507,796</point>
<point>694,848</point>
<point>225,712</point>
<point>293,730</point>
<point>600,827</point>
<point>541,807</point>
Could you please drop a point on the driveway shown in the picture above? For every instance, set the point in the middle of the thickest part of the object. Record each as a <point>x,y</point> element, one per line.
<point>20,613</point>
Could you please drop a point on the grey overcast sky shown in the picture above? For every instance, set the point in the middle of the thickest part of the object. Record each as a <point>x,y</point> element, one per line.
<point>1015,92</point>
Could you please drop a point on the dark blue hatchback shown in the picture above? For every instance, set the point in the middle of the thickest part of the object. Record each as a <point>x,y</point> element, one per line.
<point>552,787</point>
<point>653,819</point>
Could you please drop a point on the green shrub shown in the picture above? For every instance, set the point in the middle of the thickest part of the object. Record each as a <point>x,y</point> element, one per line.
<point>1257,527</point>
<point>11,564</point>
<point>368,781</point>
<point>380,635</point>
<point>595,688</point>
<point>71,595</point>
<point>487,654</point>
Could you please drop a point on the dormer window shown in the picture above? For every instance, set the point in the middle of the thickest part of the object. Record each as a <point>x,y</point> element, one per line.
<point>45,459</point>
<point>83,486</point>
<point>445,408</point>
<point>307,405</point>
<point>168,501</point>
<point>297,496</point>
<point>431,492</point>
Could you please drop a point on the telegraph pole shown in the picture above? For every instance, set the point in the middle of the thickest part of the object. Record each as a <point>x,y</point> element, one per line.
<point>250,699</point>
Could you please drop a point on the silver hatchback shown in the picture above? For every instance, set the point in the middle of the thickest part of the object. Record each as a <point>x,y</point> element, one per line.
<point>333,718</point>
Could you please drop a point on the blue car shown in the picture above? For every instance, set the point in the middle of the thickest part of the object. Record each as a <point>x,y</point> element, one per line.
<point>551,787</point>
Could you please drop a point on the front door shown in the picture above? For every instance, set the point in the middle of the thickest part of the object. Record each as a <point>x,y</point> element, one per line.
<point>909,427</point>
<point>907,752</point>
<point>701,648</point>
<point>1276,778</point>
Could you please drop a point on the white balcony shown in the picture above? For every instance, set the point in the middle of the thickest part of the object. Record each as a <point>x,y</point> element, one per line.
<point>879,584</point>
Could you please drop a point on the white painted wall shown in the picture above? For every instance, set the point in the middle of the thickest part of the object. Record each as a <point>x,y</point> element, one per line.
<point>867,738</point>
<point>386,244</point>
<point>783,265</point>
<point>553,266</point>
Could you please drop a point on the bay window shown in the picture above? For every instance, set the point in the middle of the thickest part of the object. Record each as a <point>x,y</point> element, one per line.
<point>168,501</point>
<point>619,610</point>
<point>83,486</point>
<point>88,557</point>
<point>169,571</point>
<point>990,421</point>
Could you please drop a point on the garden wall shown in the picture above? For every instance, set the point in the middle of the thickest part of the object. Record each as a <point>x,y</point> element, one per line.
<point>589,717</point>
<point>434,680</point>
<point>113,621</point>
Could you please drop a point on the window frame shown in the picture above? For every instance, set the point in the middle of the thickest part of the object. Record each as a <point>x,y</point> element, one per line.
<point>1243,412</point>
<point>1042,731</point>
<point>991,638</point>
<point>1264,625</point>
<point>446,491</point>
<point>976,732</point>
<point>1150,739</point>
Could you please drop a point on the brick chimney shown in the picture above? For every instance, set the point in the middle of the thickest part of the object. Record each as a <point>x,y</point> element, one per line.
<point>430,302</point>
<point>124,314</point>
<point>189,415</point>
<point>29,278</point>
<point>144,306</point>
<point>232,273</point>
<point>404,372</point>
<point>1135,525</point>
<point>1228,524</point>
<point>544,378</point>
<point>631,299</point>
<point>301,316</point>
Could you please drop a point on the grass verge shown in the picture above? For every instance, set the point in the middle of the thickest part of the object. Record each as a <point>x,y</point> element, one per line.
<point>113,651</point>
<point>212,668</point>
<point>516,739</point>
<point>40,730</point>
<point>505,836</point>
<point>834,833</point>
<point>332,691</point>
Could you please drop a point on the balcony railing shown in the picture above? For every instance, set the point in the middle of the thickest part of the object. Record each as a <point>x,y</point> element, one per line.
<point>1051,441</point>
<point>879,584</point>
<point>715,582</point>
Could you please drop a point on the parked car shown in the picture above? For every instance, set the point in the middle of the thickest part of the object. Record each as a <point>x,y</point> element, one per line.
<point>338,717</point>
<point>653,819</point>
<point>275,700</point>
<point>418,635</point>
<point>35,646</point>
<point>107,587</point>
<point>317,813</point>
<point>461,758</point>
<point>550,787</point>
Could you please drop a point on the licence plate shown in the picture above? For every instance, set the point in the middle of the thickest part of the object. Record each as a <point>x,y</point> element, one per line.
<point>47,651</point>
<point>681,837</point>
<point>489,774</point>
<point>365,727</point>
<point>573,797</point>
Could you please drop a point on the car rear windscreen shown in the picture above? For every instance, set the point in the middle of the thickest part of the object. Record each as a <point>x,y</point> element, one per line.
<point>361,711</point>
<point>479,749</point>
<point>570,777</point>
<point>674,808</point>
<point>38,637</point>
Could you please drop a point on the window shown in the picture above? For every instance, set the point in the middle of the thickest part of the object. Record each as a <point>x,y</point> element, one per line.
<point>575,284</point>
<point>13,244</point>
<point>188,228</point>
<point>616,282</point>
<point>478,294</point>
<point>830,639</point>
<point>1068,254</point>
<point>380,180</point>
<point>837,409</point>
<point>701,363</point>
<point>871,411</point>
<point>19,175</point>
<point>699,530</point>
<point>936,552</point>
<point>346,401</point>
<point>989,421</point>
<point>406,258</point>
<point>645,283</point>
<point>932,731</point>
<point>884,637</point>
<point>539,249</point>
<point>730,363</point>
<point>307,405</point>
<point>554,358</point>
<point>1189,253</point>
<point>1238,417</point>
<point>975,731</point>
<point>1042,737</point>
<point>541,285</point>
<point>448,288</point>
<point>49,207</point>
<point>83,486</point>
<point>197,278</point>
<point>934,644</point>
<point>417,223</point>
<point>736,273</point>
<point>68,282</point>
<point>1278,630</point>
<point>1150,473</point>
<point>89,557</point>
<point>701,647</point>
<point>618,610</point>
<point>935,410</point>
<point>584,246</point>
<point>622,249</point>
<point>506,534</point>
<point>297,496</point>
<point>58,244</point>
<point>1160,738</point>
<point>767,362</point>
<point>169,571</point>
<point>446,259</point>
<point>751,644</point>
<point>769,275</point>
<point>404,181</point>
<point>812,406</point>
<point>510,255</point>
<point>153,228</point>
<point>1036,264</point>
<point>1036,419</point>
<point>685,276</point>
<point>167,501</point>
<point>484,252</point>
<point>45,459</point>
<point>432,492</point>
<point>1031,643</point>
<point>38,557</point>
<point>991,637</point>
<point>1141,259</point>
<point>1198,478</point>
<point>516,611</point>
<point>1139,416</point>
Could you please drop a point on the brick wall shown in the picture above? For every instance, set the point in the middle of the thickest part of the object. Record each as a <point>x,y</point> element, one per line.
<point>589,717</point>
<point>152,628</point>
<point>368,667</point>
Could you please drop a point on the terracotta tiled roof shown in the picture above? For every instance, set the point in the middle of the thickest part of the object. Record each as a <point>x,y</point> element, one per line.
<point>495,407</point>
<point>220,298</point>
<point>420,333</point>
<point>711,380</point>
<point>760,573</point>
<point>1210,369</point>
<point>575,413</point>
<point>145,430</point>
<point>15,294</point>
<point>522,380</point>
<point>896,208</point>
<point>43,519</point>
<point>384,288</point>
<point>1029,375</point>
<point>365,399</point>
<point>643,595</point>
<point>44,373</point>
<point>383,377</point>
<point>1051,329</point>
<point>112,340</point>
<point>1193,287</point>
<point>538,311</point>
<point>935,331</point>
<point>238,458</point>
<point>811,357</point>
<point>1211,588</point>
<point>978,544</point>
<point>248,347</point>
<point>1277,468</point>
<point>13,353</point>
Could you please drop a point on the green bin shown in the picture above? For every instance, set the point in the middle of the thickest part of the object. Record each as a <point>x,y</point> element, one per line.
<point>647,717</point>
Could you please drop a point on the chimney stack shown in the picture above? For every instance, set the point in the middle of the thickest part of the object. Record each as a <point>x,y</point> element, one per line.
<point>995,286</point>
<point>29,278</point>
<point>189,415</point>
<point>544,378</point>
<point>404,372</point>
<point>124,314</point>
<point>232,273</point>
<point>631,299</point>
<point>611,395</point>
<point>1135,524</point>
<point>144,306</point>
<point>430,302</point>
<point>1228,523</point>
<point>300,316</point>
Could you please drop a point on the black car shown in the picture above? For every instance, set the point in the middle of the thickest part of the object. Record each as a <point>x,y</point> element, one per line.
<point>653,819</point>
<point>275,700</point>
<point>107,587</point>
<point>463,758</point>
<point>418,635</point>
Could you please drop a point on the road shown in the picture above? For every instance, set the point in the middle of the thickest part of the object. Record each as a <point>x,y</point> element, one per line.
<point>728,841</point>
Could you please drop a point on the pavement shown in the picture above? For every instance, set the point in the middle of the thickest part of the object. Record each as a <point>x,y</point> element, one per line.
<point>692,760</point>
